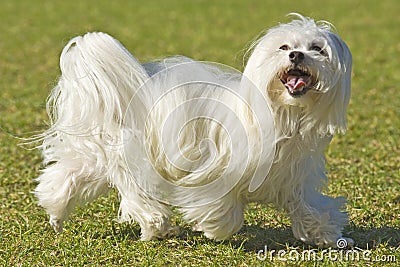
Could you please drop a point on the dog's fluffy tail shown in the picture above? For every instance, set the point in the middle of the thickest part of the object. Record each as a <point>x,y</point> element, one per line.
<point>99,77</point>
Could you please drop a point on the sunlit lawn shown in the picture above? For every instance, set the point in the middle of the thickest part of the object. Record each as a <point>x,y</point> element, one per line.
<point>363,164</point>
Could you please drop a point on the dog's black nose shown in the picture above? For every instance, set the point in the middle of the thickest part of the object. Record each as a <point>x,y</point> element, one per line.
<point>296,56</point>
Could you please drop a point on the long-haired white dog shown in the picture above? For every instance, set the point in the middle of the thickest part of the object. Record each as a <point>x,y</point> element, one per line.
<point>200,136</point>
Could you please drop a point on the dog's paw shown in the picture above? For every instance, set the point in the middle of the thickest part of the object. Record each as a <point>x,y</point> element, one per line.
<point>157,227</point>
<point>339,243</point>
<point>57,224</point>
<point>197,228</point>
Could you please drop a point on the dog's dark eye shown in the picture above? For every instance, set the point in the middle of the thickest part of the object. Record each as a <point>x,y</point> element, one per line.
<point>284,47</point>
<point>318,49</point>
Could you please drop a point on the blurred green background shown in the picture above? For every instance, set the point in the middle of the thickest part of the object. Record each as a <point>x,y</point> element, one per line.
<point>363,164</point>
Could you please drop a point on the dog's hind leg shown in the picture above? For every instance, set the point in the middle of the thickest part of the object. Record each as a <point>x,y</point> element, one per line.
<point>66,184</point>
<point>218,220</point>
<point>152,216</point>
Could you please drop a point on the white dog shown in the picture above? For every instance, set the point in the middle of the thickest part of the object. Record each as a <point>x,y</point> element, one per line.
<point>200,136</point>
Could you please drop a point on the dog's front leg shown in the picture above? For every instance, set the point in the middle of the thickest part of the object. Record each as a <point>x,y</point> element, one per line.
<point>316,218</point>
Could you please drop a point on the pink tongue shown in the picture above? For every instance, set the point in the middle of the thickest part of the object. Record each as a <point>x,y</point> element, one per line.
<point>295,83</point>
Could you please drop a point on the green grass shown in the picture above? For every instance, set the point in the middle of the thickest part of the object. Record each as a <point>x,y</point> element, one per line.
<point>363,164</point>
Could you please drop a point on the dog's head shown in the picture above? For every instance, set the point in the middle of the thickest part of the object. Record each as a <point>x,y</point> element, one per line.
<point>304,64</point>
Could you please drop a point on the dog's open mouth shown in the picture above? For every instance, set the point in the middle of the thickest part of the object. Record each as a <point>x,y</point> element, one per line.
<point>297,81</point>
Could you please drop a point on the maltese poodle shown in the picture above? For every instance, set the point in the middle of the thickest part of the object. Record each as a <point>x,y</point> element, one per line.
<point>200,136</point>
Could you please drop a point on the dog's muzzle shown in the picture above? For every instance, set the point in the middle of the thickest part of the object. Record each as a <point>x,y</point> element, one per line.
<point>297,79</point>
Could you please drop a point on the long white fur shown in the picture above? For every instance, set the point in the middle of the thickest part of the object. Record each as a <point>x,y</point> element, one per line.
<point>115,123</point>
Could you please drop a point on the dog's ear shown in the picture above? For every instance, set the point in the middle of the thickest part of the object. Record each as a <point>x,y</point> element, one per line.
<point>331,110</point>
<point>338,114</point>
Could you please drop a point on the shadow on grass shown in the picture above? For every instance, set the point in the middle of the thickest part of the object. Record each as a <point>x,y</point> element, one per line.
<point>254,238</point>
<point>370,238</point>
